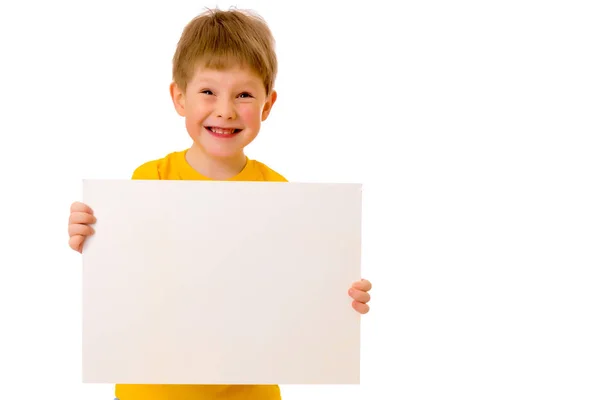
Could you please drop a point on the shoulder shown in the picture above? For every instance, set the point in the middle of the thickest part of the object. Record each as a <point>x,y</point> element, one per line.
<point>268,173</point>
<point>158,168</point>
<point>148,170</point>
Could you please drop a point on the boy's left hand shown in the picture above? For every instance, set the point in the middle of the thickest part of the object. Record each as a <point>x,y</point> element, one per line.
<point>360,293</point>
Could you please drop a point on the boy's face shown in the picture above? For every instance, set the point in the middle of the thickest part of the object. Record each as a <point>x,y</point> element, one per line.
<point>223,110</point>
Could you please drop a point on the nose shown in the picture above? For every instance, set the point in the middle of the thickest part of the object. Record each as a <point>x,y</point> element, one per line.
<point>225,109</point>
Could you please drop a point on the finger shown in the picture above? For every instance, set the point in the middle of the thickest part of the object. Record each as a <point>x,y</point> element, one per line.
<point>76,242</point>
<point>363,285</point>
<point>80,207</point>
<point>360,307</point>
<point>79,217</point>
<point>80,229</point>
<point>360,296</point>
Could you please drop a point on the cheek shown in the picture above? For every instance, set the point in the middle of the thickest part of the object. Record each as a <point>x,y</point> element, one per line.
<point>197,111</point>
<point>250,115</point>
<point>194,118</point>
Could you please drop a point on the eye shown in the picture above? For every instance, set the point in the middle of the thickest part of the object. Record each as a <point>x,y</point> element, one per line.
<point>206,91</point>
<point>245,95</point>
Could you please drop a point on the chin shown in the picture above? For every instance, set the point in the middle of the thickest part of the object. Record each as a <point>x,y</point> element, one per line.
<point>222,153</point>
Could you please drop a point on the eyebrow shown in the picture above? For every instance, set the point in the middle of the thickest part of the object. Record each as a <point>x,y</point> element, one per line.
<point>251,83</point>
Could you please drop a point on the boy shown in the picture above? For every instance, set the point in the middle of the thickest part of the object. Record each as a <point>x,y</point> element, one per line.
<point>224,70</point>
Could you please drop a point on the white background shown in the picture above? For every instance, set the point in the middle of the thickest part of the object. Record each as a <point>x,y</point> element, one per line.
<point>473,125</point>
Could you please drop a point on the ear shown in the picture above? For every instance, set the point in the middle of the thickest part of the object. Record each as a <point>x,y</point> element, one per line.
<point>269,104</point>
<point>178,97</point>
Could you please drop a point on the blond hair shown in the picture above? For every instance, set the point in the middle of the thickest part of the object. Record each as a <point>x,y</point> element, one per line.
<point>223,39</point>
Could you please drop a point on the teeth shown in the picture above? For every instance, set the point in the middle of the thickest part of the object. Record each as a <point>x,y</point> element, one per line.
<point>221,131</point>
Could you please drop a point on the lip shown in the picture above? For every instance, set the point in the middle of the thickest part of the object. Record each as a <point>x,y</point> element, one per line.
<point>222,136</point>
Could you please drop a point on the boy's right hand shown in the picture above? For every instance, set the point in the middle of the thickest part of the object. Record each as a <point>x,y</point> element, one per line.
<point>81,216</point>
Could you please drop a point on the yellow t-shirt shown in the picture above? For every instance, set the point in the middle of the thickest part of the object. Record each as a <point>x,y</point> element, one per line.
<point>175,167</point>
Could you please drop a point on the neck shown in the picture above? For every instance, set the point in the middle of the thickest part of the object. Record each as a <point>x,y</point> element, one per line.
<point>216,168</point>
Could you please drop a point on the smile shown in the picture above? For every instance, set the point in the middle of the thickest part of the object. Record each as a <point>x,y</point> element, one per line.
<point>222,132</point>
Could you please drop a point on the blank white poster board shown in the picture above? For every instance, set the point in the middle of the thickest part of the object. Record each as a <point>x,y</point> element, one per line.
<point>195,282</point>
